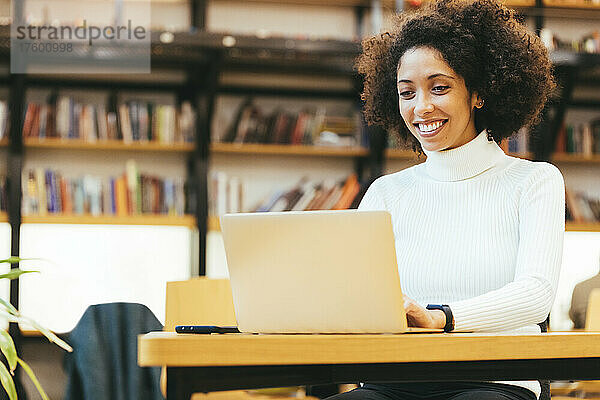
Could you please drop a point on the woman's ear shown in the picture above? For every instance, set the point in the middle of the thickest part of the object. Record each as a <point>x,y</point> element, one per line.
<point>477,101</point>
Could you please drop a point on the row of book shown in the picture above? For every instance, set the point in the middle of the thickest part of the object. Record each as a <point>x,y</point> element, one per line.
<point>46,191</point>
<point>581,139</point>
<point>133,121</point>
<point>588,44</point>
<point>582,207</point>
<point>226,196</point>
<point>309,127</point>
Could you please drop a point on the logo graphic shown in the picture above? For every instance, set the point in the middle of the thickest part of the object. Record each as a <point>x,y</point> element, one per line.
<point>80,46</point>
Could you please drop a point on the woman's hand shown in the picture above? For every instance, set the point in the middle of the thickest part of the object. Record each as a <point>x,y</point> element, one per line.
<point>421,317</point>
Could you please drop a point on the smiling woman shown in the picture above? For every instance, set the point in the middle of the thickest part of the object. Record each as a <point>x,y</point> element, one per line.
<point>434,101</point>
<point>482,44</point>
<point>478,234</point>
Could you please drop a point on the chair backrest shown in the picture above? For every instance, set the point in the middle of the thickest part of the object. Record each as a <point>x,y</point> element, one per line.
<point>103,364</point>
<point>592,315</point>
<point>199,301</point>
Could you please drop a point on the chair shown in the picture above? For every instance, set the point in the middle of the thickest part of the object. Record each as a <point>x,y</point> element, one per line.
<point>592,315</point>
<point>199,301</point>
<point>103,365</point>
<point>589,389</point>
<point>203,301</point>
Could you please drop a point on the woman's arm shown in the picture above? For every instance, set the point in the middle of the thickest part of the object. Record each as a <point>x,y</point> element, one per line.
<point>528,299</point>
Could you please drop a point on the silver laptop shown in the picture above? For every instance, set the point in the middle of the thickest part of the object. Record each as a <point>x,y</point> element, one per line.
<point>314,272</point>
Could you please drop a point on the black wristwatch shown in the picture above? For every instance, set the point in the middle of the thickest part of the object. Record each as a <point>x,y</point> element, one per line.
<point>447,311</point>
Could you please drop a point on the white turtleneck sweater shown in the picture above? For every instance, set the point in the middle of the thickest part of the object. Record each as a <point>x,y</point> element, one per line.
<point>480,231</point>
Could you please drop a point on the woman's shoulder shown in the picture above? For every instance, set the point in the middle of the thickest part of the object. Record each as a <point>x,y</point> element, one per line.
<point>388,189</point>
<point>527,169</point>
<point>529,174</point>
<point>396,180</point>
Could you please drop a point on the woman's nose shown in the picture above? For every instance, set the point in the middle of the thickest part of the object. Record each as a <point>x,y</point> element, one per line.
<point>423,105</point>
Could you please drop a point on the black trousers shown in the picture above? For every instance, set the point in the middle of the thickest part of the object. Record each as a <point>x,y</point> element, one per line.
<point>437,391</point>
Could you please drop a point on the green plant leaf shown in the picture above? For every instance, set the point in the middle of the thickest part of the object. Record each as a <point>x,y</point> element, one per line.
<point>15,273</point>
<point>12,260</point>
<point>7,382</point>
<point>31,375</point>
<point>9,307</point>
<point>10,317</point>
<point>46,332</point>
<point>7,346</point>
<point>15,260</point>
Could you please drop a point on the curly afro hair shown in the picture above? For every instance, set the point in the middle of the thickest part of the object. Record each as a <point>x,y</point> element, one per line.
<point>482,41</point>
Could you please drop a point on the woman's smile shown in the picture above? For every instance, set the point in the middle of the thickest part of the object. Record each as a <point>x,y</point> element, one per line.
<point>430,128</point>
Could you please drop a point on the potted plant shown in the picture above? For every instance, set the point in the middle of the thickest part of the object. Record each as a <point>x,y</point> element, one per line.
<point>7,345</point>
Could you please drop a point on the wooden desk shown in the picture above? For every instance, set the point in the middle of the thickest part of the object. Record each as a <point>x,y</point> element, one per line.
<point>203,363</point>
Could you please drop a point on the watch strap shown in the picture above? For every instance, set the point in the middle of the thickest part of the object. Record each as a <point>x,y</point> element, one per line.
<point>447,311</point>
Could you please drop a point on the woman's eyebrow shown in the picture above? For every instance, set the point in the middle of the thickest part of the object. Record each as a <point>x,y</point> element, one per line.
<point>436,75</point>
<point>429,77</point>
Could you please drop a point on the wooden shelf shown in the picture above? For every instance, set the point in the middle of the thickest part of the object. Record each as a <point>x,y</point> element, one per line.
<point>168,220</point>
<point>398,154</point>
<point>3,216</point>
<point>575,158</point>
<point>571,4</point>
<point>287,150</point>
<point>401,154</point>
<point>76,144</point>
<point>519,3</point>
<point>582,227</point>
<point>4,142</point>
<point>214,224</point>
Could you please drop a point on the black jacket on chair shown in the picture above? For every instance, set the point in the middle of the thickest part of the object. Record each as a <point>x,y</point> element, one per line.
<point>103,365</point>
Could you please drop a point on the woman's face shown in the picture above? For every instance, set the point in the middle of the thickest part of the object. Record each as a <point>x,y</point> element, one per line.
<point>434,101</point>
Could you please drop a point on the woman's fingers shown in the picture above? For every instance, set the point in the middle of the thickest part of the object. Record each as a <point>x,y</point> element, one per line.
<point>419,316</point>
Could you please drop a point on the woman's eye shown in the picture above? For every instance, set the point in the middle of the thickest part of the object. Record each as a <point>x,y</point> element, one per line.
<point>406,94</point>
<point>440,89</point>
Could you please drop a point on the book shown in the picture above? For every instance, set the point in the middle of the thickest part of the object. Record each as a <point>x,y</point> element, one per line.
<point>134,121</point>
<point>308,127</point>
<point>48,191</point>
<point>581,207</point>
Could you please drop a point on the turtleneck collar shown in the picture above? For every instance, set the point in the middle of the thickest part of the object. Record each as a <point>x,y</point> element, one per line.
<point>465,161</point>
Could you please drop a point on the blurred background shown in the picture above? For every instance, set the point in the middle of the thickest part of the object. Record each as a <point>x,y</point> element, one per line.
<point>114,181</point>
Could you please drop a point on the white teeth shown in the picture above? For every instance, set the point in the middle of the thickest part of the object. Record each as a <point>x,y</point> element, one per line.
<point>430,127</point>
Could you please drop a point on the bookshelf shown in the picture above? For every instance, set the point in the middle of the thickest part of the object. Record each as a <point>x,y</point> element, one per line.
<point>582,227</point>
<point>147,219</point>
<point>203,57</point>
<point>576,158</point>
<point>287,150</point>
<point>215,226</point>
<point>309,56</point>
<point>109,145</point>
<point>574,4</point>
